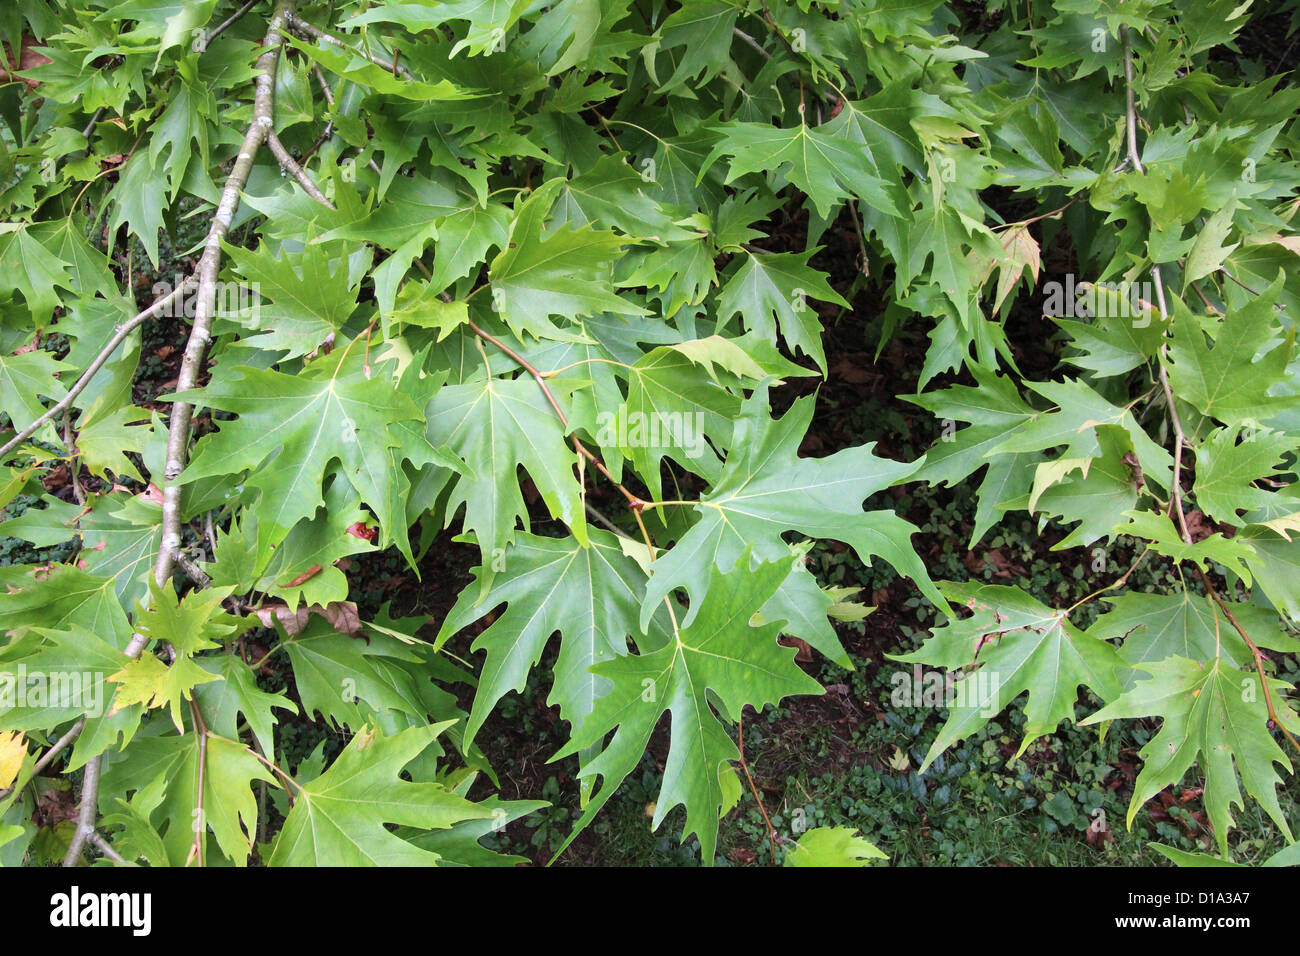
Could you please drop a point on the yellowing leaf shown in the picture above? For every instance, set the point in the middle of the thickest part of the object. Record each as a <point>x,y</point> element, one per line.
<point>13,751</point>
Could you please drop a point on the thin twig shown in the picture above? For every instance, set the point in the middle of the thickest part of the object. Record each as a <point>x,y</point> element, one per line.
<point>209,35</point>
<point>605,522</point>
<point>758,797</point>
<point>758,47</point>
<point>1255,652</point>
<point>290,166</point>
<point>105,847</point>
<point>48,757</point>
<point>192,570</point>
<point>301,26</point>
<point>85,813</point>
<point>178,433</point>
<point>73,465</point>
<point>1130,103</point>
<point>864,265</point>
<point>200,825</point>
<point>90,126</point>
<point>123,330</point>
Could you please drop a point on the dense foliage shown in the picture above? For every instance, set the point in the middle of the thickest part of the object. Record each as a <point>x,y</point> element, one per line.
<point>461,263</point>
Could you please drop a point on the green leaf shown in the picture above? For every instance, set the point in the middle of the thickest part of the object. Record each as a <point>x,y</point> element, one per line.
<point>27,378</point>
<point>772,290</point>
<point>311,296</point>
<point>1020,645</point>
<point>496,426</point>
<point>333,411</point>
<point>1227,463</point>
<point>1211,379</point>
<point>28,267</point>
<point>765,489</point>
<point>827,165</point>
<point>720,656</point>
<point>1215,715</point>
<point>591,595</point>
<point>832,846</point>
<point>339,818</point>
<point>175,765</point>
<point>148,681</point>
<point>566,274</point>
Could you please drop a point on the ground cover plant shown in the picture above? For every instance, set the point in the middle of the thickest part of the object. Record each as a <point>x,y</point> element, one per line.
<point>821,432</point>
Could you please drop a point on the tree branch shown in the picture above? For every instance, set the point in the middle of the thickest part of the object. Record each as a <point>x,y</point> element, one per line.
<point>290,166</point>
<point>57,748</point>
<point>123,330</point>
<point>105,847</point>
<point>209,35</point>
<point>205,308</point>
<point>178,432</point>
<point>302,27</point>
<point>86,813</point>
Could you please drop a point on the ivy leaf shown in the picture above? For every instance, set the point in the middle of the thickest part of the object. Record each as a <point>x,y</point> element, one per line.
<point>1215,715</point>
<point>718,656</point>
<point>340,818</point>
<point>765,489</point>
<point>1021,645</point>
